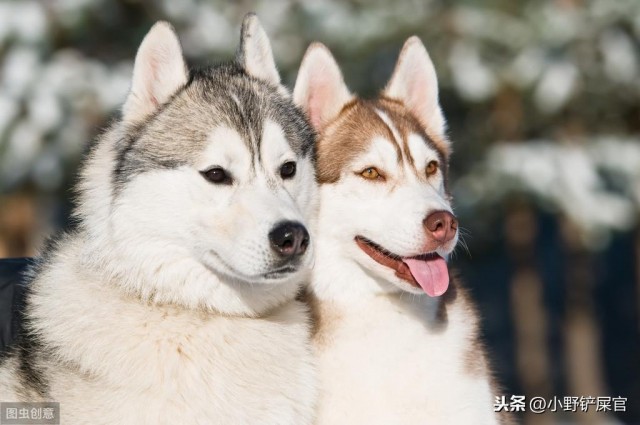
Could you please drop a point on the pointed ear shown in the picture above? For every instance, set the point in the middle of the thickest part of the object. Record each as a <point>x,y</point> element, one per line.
<point>159,71</point>
<point>320,89</point>
<point>414,83</point>
<point>254,53</point>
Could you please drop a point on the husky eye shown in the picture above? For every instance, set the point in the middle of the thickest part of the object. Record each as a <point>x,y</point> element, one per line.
<point>432,167</point>
<point>288,170</point>
<point>371,173</point>
<point>217,175</point>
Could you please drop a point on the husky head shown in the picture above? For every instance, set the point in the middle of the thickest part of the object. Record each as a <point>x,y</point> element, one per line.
<point>201,194</point>
<point>385,220</point>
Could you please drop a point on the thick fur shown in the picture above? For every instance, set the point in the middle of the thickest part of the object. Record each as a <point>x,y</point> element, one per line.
<point>388,353</point>
<point>167,305</point>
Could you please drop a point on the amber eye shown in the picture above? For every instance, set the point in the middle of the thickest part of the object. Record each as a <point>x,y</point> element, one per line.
<point>432,167</point>
<point>371,173</point>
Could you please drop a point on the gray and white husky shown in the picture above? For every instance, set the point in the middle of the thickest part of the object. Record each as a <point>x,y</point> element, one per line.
<point>173,300</point>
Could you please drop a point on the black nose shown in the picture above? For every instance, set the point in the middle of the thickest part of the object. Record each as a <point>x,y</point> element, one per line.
<point>289,238</point>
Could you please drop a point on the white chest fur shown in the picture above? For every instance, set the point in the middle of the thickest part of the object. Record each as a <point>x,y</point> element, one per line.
<point>122,361</point>
<point>401,360</point>
<point>223,371</point>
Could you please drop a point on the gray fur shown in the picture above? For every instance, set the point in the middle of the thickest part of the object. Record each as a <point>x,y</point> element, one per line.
<point>177,133</point>
<point>111,296</point>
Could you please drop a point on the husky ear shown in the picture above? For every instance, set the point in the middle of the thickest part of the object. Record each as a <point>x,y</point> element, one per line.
<point>320,89</point>
<point>159,71</point>
<point>254,53</point>
<point>414,82</point>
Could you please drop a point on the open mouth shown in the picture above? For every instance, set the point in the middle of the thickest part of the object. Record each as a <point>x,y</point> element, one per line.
<point>427,271</point>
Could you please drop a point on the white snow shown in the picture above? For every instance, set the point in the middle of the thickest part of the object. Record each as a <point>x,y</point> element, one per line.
<point>567,178</point>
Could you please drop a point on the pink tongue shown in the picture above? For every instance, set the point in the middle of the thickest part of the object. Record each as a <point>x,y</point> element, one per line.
<point>432,274</point>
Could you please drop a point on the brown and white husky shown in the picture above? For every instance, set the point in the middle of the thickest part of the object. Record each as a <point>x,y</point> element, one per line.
<point>397,340</point>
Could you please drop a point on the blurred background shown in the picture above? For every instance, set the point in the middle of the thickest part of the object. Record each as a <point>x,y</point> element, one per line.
<point>543,103</point>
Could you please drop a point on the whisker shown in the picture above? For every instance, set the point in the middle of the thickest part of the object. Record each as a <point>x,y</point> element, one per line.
<point>463,244</point>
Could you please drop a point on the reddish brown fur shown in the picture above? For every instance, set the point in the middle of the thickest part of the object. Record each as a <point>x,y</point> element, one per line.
<point>324,318</point>
<point>341,141</point>
<point>353,130</point>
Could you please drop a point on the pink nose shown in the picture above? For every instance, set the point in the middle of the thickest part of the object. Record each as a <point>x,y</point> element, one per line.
<point>441,226</point>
